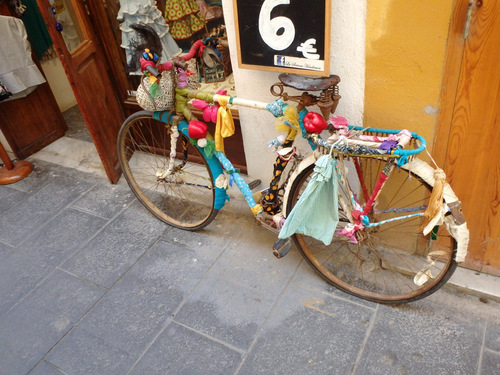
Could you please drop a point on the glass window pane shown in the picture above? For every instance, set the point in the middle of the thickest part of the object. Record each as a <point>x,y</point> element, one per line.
<point>67,24</point>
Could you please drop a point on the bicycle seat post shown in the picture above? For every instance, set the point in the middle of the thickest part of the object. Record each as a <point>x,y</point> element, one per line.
<point>327,100</point>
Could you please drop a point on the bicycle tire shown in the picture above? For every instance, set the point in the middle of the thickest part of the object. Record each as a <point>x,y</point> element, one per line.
<point>382,266</point>
<point>185,198</point>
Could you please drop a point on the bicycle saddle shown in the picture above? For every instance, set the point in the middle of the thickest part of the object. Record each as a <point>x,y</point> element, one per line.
<point>300,82</point>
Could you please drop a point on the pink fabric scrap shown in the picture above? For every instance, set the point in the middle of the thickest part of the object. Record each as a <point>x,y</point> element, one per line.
<point>338,122</point>
<point>349,231</point>
<point>209,110</point>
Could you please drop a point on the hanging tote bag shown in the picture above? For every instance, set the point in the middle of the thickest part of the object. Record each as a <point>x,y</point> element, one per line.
<point>160,98</point>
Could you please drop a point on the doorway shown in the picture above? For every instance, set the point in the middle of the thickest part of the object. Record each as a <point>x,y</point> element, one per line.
<point>94,66</point>
<point>66,101</point>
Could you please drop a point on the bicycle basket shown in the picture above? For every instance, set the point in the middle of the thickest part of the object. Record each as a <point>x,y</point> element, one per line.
<point>164,96</point>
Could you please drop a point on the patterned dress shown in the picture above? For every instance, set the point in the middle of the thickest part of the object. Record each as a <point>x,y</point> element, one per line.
<point>184,18</point>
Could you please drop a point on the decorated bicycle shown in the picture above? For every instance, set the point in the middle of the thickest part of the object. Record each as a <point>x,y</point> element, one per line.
<point>367,214</point>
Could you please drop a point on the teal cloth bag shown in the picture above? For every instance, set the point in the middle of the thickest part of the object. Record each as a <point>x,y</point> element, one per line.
<point>316,213</point>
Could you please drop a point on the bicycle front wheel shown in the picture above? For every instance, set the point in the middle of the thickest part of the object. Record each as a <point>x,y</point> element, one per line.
<point>390,263</point>
<point>182,195</point>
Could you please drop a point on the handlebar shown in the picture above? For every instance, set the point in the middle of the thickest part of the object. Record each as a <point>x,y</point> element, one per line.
<point>153,71</point>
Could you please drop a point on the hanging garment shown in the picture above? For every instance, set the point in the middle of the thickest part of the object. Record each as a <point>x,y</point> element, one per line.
<point>184,18</point>
<point>316,212</point>
<point>18,72</point>
<point>146,12</point>
<point>37,30</point>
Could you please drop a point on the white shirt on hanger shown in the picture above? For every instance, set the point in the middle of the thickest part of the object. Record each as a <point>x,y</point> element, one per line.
<point>18,72</point>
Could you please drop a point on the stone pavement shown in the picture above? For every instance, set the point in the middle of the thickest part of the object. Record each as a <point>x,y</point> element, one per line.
<point>91,283</point>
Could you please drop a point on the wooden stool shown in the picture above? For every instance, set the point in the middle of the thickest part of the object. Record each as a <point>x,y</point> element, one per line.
<point>13,171</point>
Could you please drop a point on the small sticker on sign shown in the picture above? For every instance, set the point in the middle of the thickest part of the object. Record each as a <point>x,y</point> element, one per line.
<point>298,63</point>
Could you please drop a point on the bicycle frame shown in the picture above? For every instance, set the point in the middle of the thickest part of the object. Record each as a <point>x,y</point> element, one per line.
<point>359,215</point>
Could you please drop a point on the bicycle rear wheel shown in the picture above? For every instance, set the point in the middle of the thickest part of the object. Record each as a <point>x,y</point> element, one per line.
<point>184,198</point>
<point>387,260</point>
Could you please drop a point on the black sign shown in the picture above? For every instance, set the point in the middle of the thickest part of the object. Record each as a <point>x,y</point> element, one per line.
<point>284,35</point>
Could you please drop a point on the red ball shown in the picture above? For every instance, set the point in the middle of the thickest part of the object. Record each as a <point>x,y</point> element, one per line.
<point>314,123</point>
<point>197,129</point>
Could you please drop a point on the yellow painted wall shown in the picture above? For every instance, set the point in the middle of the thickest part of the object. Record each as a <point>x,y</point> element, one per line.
<point>405,50</point>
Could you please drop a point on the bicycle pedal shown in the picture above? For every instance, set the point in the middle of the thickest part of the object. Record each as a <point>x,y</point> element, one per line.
<point>282,247</point>
<point>253,184</point>
<point>265,221</point>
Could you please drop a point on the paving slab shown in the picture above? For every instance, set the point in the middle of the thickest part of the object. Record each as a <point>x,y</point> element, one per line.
<point>226,311</point>
<point>137,308</point>
<point>42,174</point>
<point>307,277</point>
<point>87,352</point>
<point>179,350</point>
<point>246,274</point>
<point>250,255</point>
<point>420,336</point>
<point>40,320</point>
<point>42,205</point>
<point>44,368</point>
<point>10,197</point>
<point>5,250</point>
<point>215,236</point>
<point>492,337</point>
<point>116,247</point>
<point>105,201</point>
<point>23,268</point>
<point>309,332</point>
<point>490,363</point>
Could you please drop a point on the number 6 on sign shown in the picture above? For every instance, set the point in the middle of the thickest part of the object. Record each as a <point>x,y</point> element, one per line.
<point>279,32</point>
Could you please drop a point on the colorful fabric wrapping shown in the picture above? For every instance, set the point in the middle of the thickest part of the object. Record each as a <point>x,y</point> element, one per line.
<point>242,185</point>
<point>277,108</point>
<point>220,194</point>
<point>224,127</point>
<point>270,200</point>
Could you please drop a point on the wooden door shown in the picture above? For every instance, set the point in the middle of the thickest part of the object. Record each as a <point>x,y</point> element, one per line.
<point>88,73</point>
<point>31,123</point>
<point>467,140</point>
<point>107,29</point>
